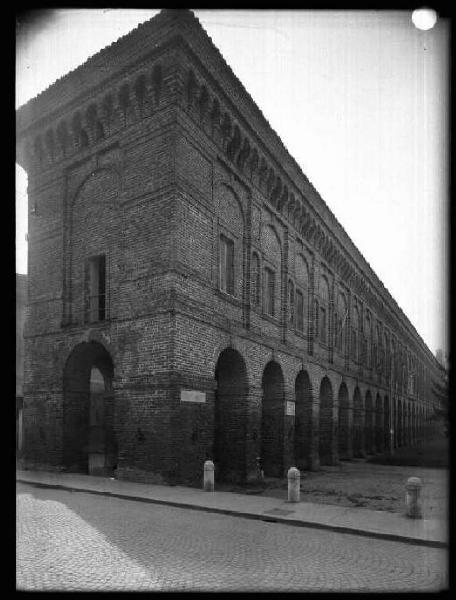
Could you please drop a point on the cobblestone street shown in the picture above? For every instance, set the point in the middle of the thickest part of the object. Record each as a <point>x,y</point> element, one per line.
<point>77,541</point>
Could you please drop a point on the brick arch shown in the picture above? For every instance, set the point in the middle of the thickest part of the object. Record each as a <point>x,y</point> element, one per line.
<point>327,441</point>
<point>230,416</point>
<point>272,419</point>
<point>303,419</point>
<point>232,344</point>
<point>86,180</point>
<point>225,192</point>
<point>91,222</point>
<point>344,428</point>
<point>89,444</point>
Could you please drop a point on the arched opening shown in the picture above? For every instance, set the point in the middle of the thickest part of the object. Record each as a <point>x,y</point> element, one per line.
<point>379,437</point>
<point>344,423</point>
<point>386,423</point>
<point>230,416</point>
<point>272,421</point>
<point>326,428</point>
<point>358,424</point>
<point>369,424</point>
<point>303,420</point>
<point>90,444</point>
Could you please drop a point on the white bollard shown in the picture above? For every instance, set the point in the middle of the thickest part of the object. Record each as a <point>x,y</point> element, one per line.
<point>294,480</point>
<point>209,476</point>
<point>413,498</point>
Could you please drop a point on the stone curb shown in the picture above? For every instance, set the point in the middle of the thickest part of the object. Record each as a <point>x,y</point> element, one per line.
<point>249,515</point>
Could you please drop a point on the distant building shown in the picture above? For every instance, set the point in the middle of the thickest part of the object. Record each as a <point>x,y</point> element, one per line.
<point>190,292</point>
<point>21,302</point>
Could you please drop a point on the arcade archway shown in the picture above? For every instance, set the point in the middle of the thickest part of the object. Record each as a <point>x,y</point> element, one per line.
<point>89,441</point>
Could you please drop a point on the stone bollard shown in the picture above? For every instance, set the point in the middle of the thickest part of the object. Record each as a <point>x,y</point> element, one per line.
<point>413,498</point>
<point>209,476</point>
<point>294,479</point>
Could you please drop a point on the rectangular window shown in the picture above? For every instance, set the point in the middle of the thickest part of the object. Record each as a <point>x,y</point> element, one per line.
<point>227,265</point>
<point>354,345</point>
<point>96,289</point>
<point>291,307</point>
<point>316,311</point>
<point>323,325</point>
<point>299,311</point>
<point>269,291</point>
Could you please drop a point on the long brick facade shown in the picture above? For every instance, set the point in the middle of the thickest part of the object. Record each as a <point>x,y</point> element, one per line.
<point>190,294</point>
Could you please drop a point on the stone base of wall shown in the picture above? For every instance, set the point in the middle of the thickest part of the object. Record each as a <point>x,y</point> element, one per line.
<point>28,465</point>
<point>140,476</point>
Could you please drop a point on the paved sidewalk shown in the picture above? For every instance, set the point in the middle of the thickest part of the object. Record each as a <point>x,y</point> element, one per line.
<point>360,521</point>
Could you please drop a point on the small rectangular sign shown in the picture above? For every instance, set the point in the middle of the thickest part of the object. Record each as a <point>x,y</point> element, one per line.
<point>193,396</point>
<point>290,408</point>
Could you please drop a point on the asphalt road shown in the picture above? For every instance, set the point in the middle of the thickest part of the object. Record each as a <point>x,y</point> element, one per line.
<point>72,541</point>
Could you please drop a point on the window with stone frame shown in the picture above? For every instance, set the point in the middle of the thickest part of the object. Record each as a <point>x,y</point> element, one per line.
<point>226,265</point>
<point>95,289</point>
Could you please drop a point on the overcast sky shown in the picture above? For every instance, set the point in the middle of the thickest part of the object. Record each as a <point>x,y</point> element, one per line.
<point>360,100</point>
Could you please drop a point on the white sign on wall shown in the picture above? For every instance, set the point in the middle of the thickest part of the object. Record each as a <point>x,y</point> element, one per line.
<point>290,408</point>
<point>193,396</point>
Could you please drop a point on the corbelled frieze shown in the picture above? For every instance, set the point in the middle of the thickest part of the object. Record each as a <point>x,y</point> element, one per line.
<point>132,100</point>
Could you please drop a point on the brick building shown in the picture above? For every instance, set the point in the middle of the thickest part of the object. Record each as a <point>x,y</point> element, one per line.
<point>190,293</point>
<point>21,303</point>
